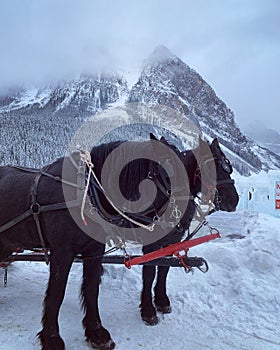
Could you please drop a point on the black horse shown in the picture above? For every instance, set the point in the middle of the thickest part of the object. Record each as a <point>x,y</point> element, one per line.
<point>33,214</point>
<point>224,198</point>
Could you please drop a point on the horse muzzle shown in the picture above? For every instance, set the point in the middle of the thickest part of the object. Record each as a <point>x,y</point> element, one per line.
<point>229,202</point>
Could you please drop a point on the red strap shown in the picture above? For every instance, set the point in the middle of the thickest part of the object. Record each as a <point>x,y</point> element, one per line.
<point>4,265</point>
<point>172,249</point>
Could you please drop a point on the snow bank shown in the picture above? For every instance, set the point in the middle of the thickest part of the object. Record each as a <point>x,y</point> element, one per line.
<point>236,305</point>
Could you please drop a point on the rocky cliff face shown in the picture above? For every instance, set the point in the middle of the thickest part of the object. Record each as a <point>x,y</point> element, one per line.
<point>37,124</point>
<point>167,80</point>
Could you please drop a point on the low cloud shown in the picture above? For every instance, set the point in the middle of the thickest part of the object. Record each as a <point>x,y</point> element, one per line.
<point>234,45</point>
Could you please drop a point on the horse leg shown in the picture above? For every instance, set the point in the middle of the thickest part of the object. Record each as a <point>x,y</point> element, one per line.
<point>97,336</point>
<point>148,311</point>
<point>60,264</point>
<point>162,301</point>
<point>5,252</point>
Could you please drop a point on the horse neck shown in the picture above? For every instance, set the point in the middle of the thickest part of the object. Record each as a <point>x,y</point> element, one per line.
<point>131,174</point>
<point>100,153</point>
<point>191,166</point>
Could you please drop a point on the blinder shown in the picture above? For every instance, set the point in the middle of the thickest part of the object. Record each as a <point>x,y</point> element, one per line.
<point>226,166</point>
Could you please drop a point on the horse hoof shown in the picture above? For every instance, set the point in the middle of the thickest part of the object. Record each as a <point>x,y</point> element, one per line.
<point>150,321</point>
<point>167,309</point>
<point>51,342</point>
<point>109,345</point>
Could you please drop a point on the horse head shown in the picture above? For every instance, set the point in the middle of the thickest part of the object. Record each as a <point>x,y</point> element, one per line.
<point>214,170</point>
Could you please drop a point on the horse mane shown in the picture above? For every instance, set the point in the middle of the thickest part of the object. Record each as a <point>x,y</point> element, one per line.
<point>191,164</point>
<point>100,153</point>
<point>137,170</point>
<point>132,172</point>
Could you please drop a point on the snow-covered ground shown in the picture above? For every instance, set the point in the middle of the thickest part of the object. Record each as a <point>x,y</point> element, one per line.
<point>235,305</point>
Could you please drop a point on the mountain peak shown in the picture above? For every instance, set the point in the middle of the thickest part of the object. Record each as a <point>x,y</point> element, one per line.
<point>161,54</point>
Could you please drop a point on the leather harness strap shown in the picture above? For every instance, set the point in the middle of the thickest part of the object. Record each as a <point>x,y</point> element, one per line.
<point>16,220</point>
<point>35,208</point>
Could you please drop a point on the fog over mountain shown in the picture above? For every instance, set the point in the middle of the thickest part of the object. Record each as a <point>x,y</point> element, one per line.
<point>264,136</point>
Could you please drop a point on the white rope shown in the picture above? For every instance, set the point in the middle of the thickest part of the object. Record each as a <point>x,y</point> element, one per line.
<point>86,159</point>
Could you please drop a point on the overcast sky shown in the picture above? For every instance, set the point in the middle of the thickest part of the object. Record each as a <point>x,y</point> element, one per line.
<point>233,44</point>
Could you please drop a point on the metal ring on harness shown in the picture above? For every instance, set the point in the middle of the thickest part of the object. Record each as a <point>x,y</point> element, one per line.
<point>35,208</point>
<point>81,169</point>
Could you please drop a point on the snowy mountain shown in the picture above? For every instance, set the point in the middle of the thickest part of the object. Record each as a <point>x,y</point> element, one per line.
<point>87,93</point>
<point>37,124</point>
<point>167,80</point>
<point>45,118</point>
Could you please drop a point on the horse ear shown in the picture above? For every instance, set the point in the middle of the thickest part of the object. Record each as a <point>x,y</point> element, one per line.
<point>200,142</point>
<point>215,145</point>
<point>152,137</point>
<point>215,142</point>
<point>203,145</point>
<point>203,148</point>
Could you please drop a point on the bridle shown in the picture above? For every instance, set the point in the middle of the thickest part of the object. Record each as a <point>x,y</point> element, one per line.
<point>212,185</point>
